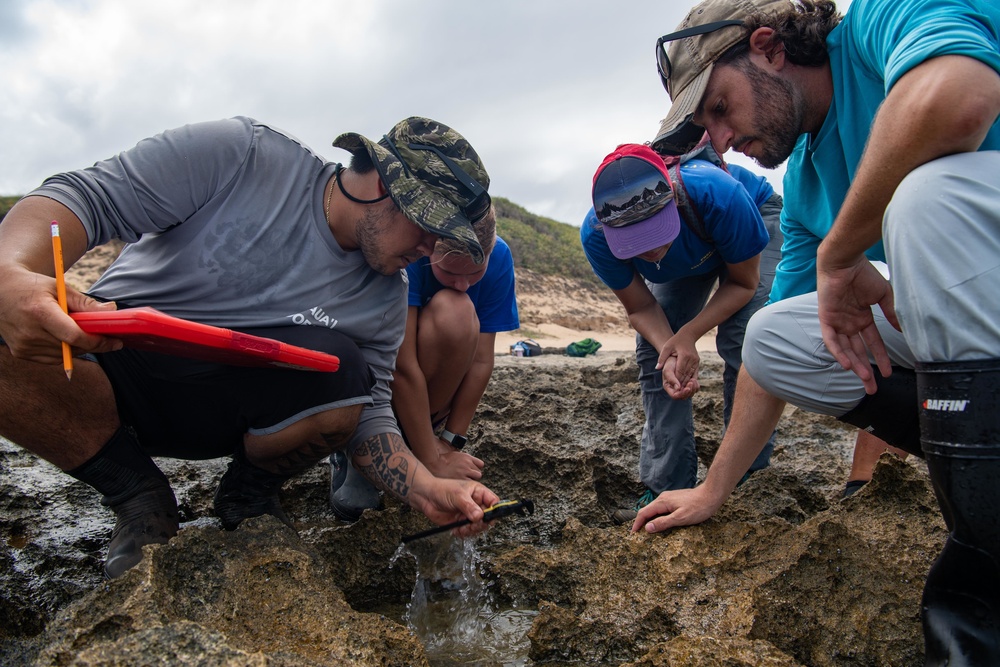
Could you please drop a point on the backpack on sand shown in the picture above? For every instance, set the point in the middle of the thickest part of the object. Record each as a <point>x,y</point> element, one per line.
<point>526,348</point>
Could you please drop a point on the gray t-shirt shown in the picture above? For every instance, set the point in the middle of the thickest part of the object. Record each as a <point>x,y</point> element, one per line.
<point>225,226</point>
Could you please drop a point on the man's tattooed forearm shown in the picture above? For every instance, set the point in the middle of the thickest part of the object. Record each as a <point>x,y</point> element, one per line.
<point>390,465</point>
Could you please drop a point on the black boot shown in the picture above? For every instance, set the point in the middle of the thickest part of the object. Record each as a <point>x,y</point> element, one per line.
<point>891,412</point>
<point>246,491</point>
<point>148,517</point>
<point>960,435</point>
<point>138,493</point>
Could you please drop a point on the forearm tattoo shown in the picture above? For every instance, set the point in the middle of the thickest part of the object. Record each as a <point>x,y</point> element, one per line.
<point>385,460</point>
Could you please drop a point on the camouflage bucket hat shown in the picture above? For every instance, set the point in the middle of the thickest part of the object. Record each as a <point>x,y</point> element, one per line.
<point>433,175</point>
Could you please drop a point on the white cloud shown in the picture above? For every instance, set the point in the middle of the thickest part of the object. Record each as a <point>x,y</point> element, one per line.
<point>542,89</point>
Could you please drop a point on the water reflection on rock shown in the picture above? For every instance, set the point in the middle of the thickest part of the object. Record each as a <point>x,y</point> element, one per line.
<point>452,610</point>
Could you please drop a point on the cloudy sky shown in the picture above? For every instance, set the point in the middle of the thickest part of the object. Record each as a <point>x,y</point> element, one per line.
<point>543,89</point>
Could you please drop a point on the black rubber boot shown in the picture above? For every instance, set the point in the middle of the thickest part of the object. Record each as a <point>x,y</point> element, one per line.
<point>350,492</point>
<point>891,412</point>
<point>148,517</point>
<point>960,434</point>
<point>139,494</point>
<point>246,491</point>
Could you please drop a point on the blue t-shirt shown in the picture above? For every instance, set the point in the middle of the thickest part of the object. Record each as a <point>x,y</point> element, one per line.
<point>731,216</point>
<point>877,42</point>
<point>756,185</point>
<point>493,296</point>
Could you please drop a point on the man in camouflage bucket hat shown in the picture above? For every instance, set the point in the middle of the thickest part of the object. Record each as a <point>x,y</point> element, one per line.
<point>437,180</point>
<point>433,174</point>
<point>235,224</point>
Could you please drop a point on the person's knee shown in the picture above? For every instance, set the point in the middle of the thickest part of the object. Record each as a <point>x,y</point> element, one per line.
<point>650,378</point>
<point>910,201</point>
<point>321,434</point>
<point>451,316</point>
<point>335,427</point>
<point>760,342</point>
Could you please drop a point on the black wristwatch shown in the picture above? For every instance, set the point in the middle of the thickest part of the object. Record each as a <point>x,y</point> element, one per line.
<point>454,439</point>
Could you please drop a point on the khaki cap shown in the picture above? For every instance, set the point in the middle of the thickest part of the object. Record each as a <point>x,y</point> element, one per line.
<point>691,62</point>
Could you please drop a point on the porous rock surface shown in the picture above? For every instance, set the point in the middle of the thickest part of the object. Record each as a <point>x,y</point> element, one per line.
<point>785,574</point>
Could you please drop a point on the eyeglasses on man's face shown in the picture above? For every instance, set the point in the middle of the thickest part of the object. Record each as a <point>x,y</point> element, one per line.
<point>663,61</point>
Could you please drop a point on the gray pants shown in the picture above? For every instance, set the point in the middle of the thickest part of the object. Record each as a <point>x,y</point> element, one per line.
<point>667,456</point>
<point>945,259</point>
<point>944,253</point>
<point>785,354</point>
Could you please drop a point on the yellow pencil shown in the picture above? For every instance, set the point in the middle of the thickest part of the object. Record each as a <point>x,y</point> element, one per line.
<point>61,294</point>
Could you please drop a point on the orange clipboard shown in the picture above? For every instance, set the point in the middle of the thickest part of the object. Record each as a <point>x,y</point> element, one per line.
<point>149,329</point>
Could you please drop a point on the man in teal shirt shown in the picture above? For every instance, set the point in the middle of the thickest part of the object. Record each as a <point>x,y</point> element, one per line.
<point>889,121</point>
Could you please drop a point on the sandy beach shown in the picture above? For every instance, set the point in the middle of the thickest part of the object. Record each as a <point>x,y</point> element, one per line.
<point>554,313</point>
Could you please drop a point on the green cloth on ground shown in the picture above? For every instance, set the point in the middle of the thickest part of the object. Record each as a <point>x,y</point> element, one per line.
<point>583,347</point>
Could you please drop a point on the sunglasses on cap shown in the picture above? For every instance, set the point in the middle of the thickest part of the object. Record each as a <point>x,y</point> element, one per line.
<point>480,202</point>
<point>630,190</point>
<point>663,61</point>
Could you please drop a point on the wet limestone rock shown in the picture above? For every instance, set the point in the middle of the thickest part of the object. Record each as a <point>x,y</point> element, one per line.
<point>785,573</point>
<point>257,596</point>
<point>712,652</point>
<point>832,589</point>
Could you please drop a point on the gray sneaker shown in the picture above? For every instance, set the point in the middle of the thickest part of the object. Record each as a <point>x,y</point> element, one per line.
<point>852,487</point>
<point>623,516</point>
<point>350,492</point>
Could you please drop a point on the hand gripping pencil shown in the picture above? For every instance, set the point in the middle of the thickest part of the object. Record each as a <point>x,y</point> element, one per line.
<point>57,255</point>
<point>501,509</point>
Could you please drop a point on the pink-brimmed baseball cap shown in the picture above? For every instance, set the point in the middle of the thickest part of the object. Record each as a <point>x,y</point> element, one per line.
<point>634,201</point>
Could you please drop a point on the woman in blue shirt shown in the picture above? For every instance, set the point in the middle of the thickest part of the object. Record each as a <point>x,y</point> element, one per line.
<point>456,308</point>
<point>664,273</point>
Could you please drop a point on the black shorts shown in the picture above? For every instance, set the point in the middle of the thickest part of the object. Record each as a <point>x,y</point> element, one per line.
<point>192,409</point>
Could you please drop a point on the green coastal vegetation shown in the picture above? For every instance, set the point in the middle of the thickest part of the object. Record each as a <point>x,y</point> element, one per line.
<point>538,244</point>
<point>541,244</point>
<point>6,203</point>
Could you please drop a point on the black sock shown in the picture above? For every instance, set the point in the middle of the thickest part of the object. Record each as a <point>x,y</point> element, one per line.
<point>120,469</point>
